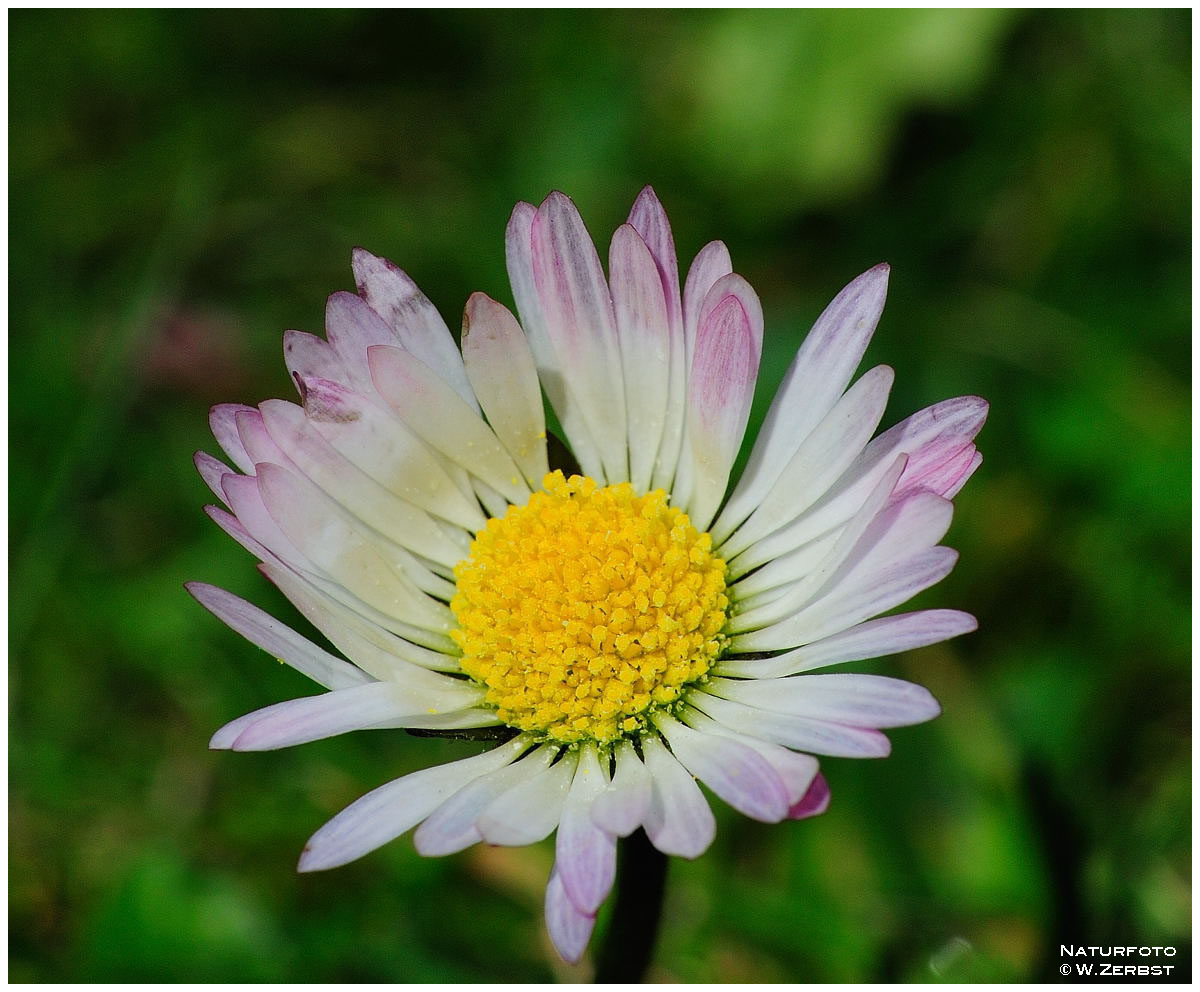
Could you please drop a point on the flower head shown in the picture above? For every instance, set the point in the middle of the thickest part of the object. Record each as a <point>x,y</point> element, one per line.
<point>629,628</point>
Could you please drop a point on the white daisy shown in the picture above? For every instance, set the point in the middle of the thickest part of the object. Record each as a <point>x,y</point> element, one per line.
<point>634,626</point>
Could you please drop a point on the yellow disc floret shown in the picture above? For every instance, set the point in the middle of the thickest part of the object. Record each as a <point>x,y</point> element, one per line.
<point>588,607</point>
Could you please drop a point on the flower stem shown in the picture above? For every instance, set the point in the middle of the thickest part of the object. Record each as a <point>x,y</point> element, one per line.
<point>641,883</point>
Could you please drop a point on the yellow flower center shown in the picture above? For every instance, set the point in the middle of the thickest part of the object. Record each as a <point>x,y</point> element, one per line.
<point>588,607</point>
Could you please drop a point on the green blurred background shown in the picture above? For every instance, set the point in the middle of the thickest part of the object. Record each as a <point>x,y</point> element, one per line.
<point>185,186</point>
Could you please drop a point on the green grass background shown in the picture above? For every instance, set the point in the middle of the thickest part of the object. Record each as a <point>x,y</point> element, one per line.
<point>185,186</point>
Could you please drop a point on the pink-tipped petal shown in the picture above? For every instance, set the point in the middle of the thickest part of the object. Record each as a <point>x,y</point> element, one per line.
<point>721,388</point>
<point>519,257</point>
<point>577,307</point>
<point>644,334</point>
<point>815,801</point>
<point>222,421</point>
<point>212,471</point>
<point>308,356</point>
<point>413,320</point>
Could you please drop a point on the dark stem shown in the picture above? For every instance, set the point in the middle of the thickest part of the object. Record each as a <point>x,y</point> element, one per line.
<point>641,882</point>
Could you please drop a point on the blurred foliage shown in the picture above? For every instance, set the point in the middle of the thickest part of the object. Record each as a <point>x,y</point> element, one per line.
<point>185,185</point>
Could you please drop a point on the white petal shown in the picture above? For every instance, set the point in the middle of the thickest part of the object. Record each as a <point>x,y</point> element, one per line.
<point>315,526</point>
<point>823,456</point>
<point>277,639</point>
<point>849,604</point>
<point>313,718</point>
<point>585,855</point>
<point>400,521</point>
<point>530,811</point>
<point>375,440</point>
<point>352,327</point>
<point>579,321</point>
<point>504,377</point>
<point>644,334</point>
<point>930,438</point>
<point>710,264</point>
<point>457,431</point>
<point>452,826</point>
<point>519,256</point>
<point>679,820</point>
<point>413,319</point>
<point>372,647</point>
<point>816,378</point>
<point>799,732</point>
<point>569,929</point>
<point>873,639</point>
<point>800,588</point>
<point>390,810</point>
<point>621,808</point>
<point>735,772</point>
<point>856,700</point>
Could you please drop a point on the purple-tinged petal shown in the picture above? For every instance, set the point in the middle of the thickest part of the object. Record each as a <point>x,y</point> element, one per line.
<point>352,327</point>
<point>519,257</point>
<point>414,321</point>
<point>795,770</point>
<point>385,813</point>
<point>569,929</point>
<point>649,219</point>
<point>579,321</point>
<point>310,357</point>
<point>734,771</point>
<point>458,432</point>
<point>709,266</point>
<point>504,377</point>
<point>721,388</point>
<point>276,638</point>
<point>815,801</point>
<point>222,421</point>
<point>644,335</point>
<point>816,378</point>
<point>260,446</point>
<point>679,820</point>
<point>212,471</point>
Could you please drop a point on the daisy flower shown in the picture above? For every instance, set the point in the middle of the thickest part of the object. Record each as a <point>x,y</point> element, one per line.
<point>629,628</point>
